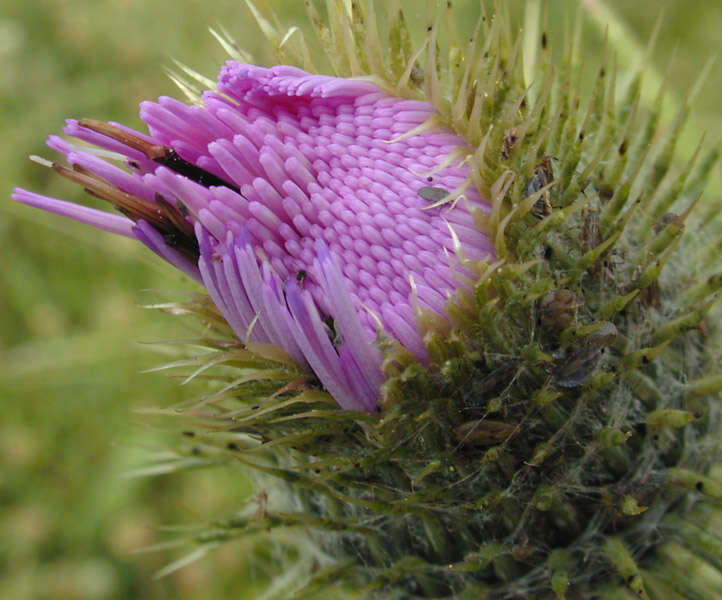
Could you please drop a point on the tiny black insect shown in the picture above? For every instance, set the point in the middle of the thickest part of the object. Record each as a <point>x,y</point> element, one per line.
<point>510,138</point>
<point>542,176</point>
<point>173,161</point>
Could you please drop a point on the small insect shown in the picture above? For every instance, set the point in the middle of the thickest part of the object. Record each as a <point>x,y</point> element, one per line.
<point>604,336</point>
<point>651,295</point>
<point>558,308</point>
<point>417,75</point>
<point>333,332</point>
<point>433,194</point>
<point>510,138</point>
<point>578,366</point>
<point>301,276</point>
<point>484,432</point>
<point>591,233</point>
<point>437,196</point>
<point>543,175</point>
<point>666,219</point>
<point>163,155</point>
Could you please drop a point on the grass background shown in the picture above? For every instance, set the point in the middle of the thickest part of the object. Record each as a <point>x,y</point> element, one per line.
<point>71,322</point>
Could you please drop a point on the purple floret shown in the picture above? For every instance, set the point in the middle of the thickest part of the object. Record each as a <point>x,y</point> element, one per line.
<point>301,207</point>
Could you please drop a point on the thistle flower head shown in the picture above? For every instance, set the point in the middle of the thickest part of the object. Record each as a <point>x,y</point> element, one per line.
<point>553,433</point>
<point>318,212</point>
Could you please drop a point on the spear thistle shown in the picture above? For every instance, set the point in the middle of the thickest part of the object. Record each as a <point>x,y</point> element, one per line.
<point>490,277</point>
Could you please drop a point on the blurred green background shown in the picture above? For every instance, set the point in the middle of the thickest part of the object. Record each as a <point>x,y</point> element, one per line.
<point>71,321</point>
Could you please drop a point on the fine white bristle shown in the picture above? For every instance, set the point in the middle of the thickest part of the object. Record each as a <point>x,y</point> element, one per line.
<point>41,161</point>
<point>102,152</point>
